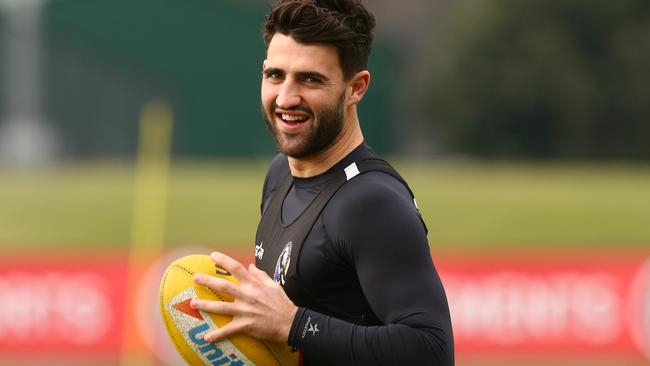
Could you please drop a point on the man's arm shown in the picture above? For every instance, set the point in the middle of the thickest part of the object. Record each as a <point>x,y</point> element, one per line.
<point>386,240</point>
<point>374,221</point>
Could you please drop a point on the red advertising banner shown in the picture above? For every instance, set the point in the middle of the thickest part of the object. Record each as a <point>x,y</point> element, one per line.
<point>501,305</point>
<point>543,305</point>
<point>56,305</point>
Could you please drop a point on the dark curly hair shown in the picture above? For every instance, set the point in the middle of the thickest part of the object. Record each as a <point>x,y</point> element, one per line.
<point>344,24</point>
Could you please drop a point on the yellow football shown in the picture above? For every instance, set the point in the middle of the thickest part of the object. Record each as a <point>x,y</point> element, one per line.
<point>186,326</point>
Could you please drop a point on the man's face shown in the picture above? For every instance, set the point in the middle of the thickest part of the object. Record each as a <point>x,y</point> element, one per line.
<point>303,96</point>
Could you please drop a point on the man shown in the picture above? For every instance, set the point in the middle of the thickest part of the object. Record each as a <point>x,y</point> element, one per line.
<point>346,275</point>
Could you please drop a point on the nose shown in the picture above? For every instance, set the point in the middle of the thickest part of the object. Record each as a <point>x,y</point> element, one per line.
<point>288,95</point>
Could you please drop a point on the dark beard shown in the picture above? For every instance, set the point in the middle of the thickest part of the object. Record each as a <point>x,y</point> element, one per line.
<point>315,139</point>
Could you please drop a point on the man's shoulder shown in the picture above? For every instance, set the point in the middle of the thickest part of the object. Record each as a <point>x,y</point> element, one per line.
<point>372,189</point>
<point>278,169</point>
<point>279,164</point>
<point>371,201</point>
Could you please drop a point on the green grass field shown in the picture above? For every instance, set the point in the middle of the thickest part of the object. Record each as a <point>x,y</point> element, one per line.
<point>468,206</point>
<point>465,204</point>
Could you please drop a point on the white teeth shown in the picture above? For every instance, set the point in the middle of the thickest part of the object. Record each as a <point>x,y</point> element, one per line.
<point>291,118</point>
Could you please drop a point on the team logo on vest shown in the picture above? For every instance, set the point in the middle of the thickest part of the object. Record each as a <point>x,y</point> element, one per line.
<point>282,266</point>
<point>259,251</point>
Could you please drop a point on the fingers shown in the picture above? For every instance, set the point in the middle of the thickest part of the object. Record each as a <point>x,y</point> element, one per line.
<point>226,331</point>
<point>259,274</point>
<point>218,284</point>
<point>216,307</point>
<point>231,265</point>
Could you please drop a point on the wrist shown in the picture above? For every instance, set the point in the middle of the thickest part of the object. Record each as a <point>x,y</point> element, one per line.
<point>294,333</point>
<point>287,325</point>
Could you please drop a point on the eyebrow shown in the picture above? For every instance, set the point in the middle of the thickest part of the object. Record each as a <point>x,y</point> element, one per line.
<point>272,70</point>
<point>301,74</point>
<point>313,74</point>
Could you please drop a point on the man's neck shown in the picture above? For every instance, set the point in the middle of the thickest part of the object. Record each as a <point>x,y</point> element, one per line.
<point>320,163</point>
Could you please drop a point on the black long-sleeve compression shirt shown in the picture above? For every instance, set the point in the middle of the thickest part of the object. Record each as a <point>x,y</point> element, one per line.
<point>373,296</point>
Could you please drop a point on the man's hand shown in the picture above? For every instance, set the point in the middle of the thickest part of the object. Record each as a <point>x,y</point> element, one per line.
<point>261,308</point>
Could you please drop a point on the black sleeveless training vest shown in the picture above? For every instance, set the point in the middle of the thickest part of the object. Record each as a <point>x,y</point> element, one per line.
<point>279,245</point>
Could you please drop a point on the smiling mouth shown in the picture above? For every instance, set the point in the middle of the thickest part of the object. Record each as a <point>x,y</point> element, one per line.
<point>292,119</point>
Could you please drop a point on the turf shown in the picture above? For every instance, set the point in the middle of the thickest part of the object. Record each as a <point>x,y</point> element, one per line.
<point>465,204</point>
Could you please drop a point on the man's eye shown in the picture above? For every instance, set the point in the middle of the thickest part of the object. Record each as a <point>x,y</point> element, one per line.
<point>312,80</point>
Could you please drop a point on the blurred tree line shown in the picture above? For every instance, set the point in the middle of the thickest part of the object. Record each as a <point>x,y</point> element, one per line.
<point>544,79</point>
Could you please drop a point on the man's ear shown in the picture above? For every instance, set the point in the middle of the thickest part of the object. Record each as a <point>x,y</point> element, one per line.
<point>358,86</point>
